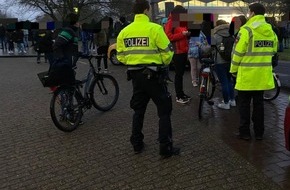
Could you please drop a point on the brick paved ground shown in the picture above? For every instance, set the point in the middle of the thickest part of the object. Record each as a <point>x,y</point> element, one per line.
<point>98,155</point>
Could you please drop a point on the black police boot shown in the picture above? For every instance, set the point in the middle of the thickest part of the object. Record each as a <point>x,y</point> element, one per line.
<point>167,150</point>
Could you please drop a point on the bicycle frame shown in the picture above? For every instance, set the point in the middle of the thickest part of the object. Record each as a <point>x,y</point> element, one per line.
<point>90,75</point>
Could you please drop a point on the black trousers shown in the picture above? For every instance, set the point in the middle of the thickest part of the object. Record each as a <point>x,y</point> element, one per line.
<point>179,64</point>
<point>145,89</point>
<point>102,50</point>
<point>244,103</point>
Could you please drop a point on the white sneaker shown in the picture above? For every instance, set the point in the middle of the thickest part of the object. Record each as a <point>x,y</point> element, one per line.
<point>225,106</point>
<point>106,71</point>
<point>182,100</point>
<point>233,103</point>
<point>194,83</point>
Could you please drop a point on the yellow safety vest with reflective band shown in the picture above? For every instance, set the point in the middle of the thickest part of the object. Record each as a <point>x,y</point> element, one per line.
<point>252,54</point>
<point>143,43</point>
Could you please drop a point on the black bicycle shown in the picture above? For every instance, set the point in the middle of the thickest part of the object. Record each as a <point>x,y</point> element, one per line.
<point>68,103</point>
<point>207,84</point>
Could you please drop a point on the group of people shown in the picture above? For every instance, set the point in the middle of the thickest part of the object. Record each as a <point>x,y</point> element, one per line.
<point>148,48</point>
<point>250,64</point>
<point>9,37</point>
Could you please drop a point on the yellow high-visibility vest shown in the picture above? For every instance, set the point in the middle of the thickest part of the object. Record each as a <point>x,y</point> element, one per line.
<point>143,43</point>
<point>255,45</point>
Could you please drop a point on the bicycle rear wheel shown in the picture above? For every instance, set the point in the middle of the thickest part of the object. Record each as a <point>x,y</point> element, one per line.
<point>65,109</point>
<point>104,92</point>
<point>273,93</point>
<point>210,86</point>
<point>202,96</point>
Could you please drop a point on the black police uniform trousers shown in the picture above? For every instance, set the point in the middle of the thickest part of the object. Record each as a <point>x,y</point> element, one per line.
<point>244,103</point>
<point>145,89</point>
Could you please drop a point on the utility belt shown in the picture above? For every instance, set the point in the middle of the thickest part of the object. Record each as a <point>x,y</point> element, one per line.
<point>151,72</point>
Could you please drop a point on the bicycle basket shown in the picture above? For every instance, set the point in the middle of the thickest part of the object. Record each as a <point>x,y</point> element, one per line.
<point>43,77</point>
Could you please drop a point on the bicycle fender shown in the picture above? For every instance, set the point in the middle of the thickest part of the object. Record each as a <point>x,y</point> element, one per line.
<point>277,79</point>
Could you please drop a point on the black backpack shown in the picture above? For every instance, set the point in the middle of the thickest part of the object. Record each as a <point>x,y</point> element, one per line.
<point>228,43</point>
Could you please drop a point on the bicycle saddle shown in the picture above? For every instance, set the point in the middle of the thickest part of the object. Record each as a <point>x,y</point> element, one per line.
<point>207,61</point>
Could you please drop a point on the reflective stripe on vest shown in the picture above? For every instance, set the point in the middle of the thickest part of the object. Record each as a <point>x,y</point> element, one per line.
<point>144,51</point>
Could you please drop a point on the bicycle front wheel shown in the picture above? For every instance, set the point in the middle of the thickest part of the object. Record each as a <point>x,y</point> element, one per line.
<point>104,92</point>
<point>273,93</point>
<point>65,109</point>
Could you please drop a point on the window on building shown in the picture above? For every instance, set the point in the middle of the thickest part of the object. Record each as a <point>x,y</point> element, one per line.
<point>217,3</point>
<point>196,3</point>
<point>238,4</point>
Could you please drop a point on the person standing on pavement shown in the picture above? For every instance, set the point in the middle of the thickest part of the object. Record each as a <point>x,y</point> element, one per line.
<point>236,24</point>
<point>25,39</point>
<point>44,43</point>
<point>102,42</point>
<point>2,37</point>
<point>85,41</point>
<point>222,67</point>
<point>65,50</point>
<point>10,40</point>
<point>145,49</point>
<point>251,63</point>
<point>178,35</point>
<point>19,41</point>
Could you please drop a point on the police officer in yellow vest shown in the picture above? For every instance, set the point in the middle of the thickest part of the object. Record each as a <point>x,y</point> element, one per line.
<point>145,49</point>
<point>255,45</point>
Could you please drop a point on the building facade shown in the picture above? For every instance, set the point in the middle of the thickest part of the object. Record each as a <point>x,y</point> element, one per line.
<point>225,9</point>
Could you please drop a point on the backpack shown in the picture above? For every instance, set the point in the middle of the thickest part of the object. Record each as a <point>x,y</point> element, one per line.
<point>228,43</point>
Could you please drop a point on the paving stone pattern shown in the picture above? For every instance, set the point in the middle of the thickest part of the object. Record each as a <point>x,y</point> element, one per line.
<point>34,154</point>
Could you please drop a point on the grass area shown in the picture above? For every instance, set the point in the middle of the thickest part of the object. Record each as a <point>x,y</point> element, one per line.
<point>285,55</point>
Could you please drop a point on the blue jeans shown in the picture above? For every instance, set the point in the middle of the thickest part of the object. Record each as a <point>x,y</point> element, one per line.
<point>222,71</point>
<point>25,41</point>
<point>85,47</point>
<point>20,47</point>
<point>3,42</point>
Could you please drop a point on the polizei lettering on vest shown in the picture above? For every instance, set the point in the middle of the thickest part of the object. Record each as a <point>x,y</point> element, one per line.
<point>264,43</point>
<point>136,42</point>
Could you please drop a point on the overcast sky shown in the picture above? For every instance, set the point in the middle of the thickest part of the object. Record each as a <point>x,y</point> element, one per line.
<point>17,11</point>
